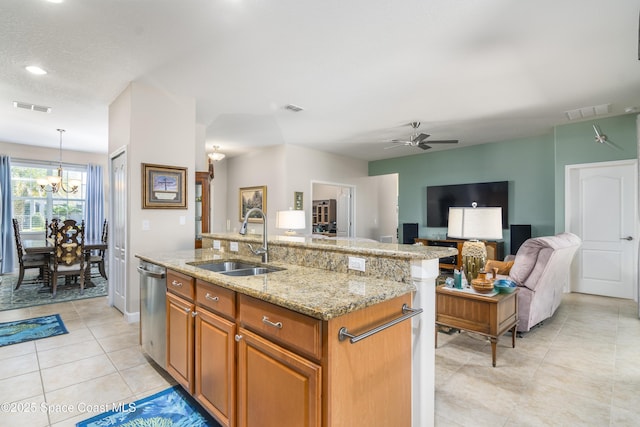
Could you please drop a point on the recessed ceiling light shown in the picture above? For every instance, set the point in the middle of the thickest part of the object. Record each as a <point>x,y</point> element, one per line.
<point>34,69</point>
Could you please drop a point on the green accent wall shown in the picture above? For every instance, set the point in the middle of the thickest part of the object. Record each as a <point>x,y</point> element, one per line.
<point>575,144</point>
<point>533,166</point>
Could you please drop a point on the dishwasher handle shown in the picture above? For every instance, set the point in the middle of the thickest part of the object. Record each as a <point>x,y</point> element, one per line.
<point>151,274</point>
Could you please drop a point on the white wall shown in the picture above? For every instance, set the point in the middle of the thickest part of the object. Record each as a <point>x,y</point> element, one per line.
<point>285,169</point>
<point>156,127</point>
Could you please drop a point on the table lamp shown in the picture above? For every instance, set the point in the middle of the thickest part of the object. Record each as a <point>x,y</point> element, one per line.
<point>474,223</point>
<point>290,220</point>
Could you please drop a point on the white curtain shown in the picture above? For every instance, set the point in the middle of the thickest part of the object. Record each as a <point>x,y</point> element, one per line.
<point>94,208</point>
<point>7,245</point>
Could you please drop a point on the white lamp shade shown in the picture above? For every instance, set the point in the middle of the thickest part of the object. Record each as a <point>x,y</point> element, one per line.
<point>475,223</point>
<point>290,220</point>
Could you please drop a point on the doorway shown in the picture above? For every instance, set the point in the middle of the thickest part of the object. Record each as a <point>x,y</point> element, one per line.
<point>343,195</point>
<point>601,202</point>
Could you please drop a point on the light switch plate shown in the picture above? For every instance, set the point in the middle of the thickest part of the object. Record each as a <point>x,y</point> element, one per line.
<point>146,226</point>
<point>356,263</point>
<point>233,246</point>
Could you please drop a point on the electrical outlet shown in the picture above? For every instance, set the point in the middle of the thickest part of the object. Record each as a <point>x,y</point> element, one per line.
<point>216,244</point>
<point>356,263</point>
<point>233,246</point>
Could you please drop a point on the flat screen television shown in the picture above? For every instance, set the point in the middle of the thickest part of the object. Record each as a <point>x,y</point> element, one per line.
<point>487,194</point>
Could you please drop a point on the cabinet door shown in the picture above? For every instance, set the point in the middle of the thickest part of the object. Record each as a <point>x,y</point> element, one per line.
<point>215,377</point>
<point>180,340</point>
<point>276,387</point>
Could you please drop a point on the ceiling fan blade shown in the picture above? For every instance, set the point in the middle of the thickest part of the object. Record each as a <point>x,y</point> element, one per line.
<point>401,141</point>
<point>423,146</point>
<point>595,129</point>
<point>611,144</point>
<point>418,139</point>
<point>444,141</point>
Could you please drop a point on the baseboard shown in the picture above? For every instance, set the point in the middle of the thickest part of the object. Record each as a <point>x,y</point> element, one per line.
<point>132,317</point>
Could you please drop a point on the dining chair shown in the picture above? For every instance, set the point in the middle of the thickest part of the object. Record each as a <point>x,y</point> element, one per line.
<point>68,258</point>
<point>98,258</point>
<point>27,261</point>
<point>49,227</point>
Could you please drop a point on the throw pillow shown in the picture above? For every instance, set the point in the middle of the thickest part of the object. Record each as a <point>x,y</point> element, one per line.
<point>504,267</point>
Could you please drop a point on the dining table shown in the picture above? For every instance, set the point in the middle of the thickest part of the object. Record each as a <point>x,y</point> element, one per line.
<point>46,247</point>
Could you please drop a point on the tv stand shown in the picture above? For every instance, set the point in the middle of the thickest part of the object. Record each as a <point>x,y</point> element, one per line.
<point>495,250</point>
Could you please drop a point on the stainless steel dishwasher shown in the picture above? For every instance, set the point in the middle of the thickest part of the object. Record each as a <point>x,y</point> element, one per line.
<point>153,287</point>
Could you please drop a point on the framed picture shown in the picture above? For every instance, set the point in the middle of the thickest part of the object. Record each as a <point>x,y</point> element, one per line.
<point>297,200</point>
<point>164,187</point>
<point>253,197</point>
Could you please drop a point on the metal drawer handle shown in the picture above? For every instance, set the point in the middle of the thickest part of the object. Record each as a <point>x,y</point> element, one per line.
<point>266,321</point>
<point>177,284</point>
<point>211,298</point>
<point>407,312</point>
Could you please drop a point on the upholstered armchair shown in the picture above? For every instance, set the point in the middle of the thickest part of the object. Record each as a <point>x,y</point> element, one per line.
<point>541,270</point>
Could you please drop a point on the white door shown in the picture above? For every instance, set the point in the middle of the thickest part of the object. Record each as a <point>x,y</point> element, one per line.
<point>343,213</point>
<point>601,208</point>
<point>118,232</point>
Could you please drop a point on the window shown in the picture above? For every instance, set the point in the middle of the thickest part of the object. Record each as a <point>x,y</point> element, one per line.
<point>31,205</point>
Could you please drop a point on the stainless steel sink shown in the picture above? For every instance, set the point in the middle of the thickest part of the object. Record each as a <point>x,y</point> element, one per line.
<point>235,268</point>
<point>221,266</point>
<point>254,271</point>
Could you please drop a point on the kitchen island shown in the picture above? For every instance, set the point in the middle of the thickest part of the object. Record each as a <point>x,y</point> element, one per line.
<point>315,296</point>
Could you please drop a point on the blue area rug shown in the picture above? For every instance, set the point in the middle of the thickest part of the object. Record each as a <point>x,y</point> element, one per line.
<point>170,407</point>
<point>31,329</point>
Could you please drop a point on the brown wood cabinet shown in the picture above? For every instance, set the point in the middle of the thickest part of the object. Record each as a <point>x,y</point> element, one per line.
<point>324,211</point>
<point>180,340</point>
<point>252,363</point>
<point>202,206</point>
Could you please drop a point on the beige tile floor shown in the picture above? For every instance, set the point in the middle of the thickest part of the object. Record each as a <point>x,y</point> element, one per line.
<point>580,368</point>
<point>61,380</point>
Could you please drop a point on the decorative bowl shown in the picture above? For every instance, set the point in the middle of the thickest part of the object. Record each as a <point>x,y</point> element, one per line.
<point>505,286</point>
<point>482,286</point>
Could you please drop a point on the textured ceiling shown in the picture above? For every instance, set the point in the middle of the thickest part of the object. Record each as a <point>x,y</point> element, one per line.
<point>477,71</point>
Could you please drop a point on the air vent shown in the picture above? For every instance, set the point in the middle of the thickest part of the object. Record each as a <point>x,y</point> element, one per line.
<point>586,112</point>
<point>32,107</point>
<point>294,108</point>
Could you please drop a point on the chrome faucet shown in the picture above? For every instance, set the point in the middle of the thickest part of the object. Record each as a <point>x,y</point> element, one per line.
<point>264,250</point>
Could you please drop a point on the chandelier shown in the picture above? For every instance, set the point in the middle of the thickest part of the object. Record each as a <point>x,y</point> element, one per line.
<point>214,156</point>
<point>54,182</point>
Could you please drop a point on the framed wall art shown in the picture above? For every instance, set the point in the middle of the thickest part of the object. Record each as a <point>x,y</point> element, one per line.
<point>164,187</point>
<point>252,197</point>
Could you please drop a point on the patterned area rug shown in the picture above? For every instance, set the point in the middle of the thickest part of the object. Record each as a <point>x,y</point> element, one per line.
<point>170,407</point>
<point>31,329</point>
<point>32,293</point>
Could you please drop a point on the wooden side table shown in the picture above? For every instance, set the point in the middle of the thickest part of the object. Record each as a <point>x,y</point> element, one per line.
<point>490,316</point>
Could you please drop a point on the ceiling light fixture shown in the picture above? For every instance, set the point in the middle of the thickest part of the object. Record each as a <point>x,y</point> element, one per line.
<point>55,182</point>
<point>214,156</point>
<point>34,69</point>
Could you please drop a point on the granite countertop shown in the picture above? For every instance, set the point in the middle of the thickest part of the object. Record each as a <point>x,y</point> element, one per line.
<point>318,293</point>
<point>354,246</point>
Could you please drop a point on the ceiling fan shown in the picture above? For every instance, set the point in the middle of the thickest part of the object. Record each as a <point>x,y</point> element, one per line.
<point>603,139</point>
<point>418,139</point>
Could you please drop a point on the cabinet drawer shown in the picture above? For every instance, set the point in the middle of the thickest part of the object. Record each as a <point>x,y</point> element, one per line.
<point>301,333</point>
<point>216,298</point>
<point>180,284</point>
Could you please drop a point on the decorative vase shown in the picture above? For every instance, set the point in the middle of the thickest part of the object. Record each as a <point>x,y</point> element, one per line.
<point>474,258</point>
